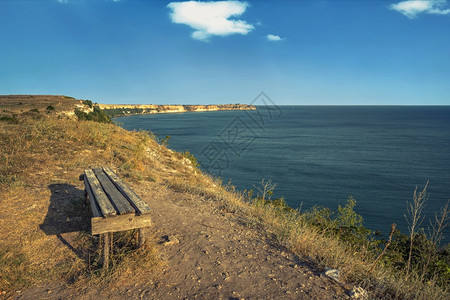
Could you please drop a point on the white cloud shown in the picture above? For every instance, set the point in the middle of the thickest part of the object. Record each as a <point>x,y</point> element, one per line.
<point>411,8</point>
<point>274,38</point>
<point>210,18</point>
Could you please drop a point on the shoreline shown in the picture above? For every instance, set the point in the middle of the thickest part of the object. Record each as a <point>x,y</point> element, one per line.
<point>117,110</point>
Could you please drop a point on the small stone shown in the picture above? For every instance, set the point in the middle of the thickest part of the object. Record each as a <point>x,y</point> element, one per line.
<point>359,293</point>
<point>171,240</point>
<point>333,274</point>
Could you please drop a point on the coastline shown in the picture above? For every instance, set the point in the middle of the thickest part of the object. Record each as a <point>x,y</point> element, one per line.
<point>116,110</point>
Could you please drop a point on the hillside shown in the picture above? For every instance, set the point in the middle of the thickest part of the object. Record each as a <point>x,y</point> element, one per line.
<point>46,250</point>
<point>19,104</point>
<point>208,240</point>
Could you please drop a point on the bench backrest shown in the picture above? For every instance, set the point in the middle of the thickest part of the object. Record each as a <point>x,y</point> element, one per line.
<point>109,196</point>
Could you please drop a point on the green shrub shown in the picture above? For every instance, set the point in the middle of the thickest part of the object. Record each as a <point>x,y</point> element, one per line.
<point>165,141</point>
<point>345,224</point>
<point>88,103</point>
<point>9,119</point>
<point>97,115</point>
<point>49,108</point>
<point>191,157</point>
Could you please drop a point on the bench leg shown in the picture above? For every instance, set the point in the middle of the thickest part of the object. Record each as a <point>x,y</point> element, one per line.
<point>143,237</point>
<point>107,248</point>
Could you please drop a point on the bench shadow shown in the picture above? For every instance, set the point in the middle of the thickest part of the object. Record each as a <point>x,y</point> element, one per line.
<point>67,213</point>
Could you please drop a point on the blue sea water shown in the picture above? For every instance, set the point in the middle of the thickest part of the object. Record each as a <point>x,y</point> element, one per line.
<point>320,155</point>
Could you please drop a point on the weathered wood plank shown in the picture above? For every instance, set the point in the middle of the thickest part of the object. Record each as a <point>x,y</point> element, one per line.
<point>140,206</point>
<point>118,200</point>
<point>103,202</point>
<point>119,223</point>
<point>95,210</point>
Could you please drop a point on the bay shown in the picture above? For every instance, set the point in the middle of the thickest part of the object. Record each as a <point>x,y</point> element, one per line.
<point>321,155</point>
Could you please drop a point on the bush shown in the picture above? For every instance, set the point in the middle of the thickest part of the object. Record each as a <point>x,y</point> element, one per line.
<point>191,157</point>
<point>97,115</point>
<point>49,108</point>
<point>88,103</point>
<point>9,119</point>
<point>345,224</point>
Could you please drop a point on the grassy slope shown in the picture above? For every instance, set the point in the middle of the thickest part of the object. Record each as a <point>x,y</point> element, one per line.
<point>44,156</point>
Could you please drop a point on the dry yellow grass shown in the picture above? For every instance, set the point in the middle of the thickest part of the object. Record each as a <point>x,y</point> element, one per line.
<point>42,158</point>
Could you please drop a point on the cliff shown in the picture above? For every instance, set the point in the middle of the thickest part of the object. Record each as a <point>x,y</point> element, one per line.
<point>66,106</point>
<point>126,109</point>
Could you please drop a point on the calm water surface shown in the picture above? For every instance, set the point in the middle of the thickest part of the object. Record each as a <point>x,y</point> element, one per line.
<point>320,155</point>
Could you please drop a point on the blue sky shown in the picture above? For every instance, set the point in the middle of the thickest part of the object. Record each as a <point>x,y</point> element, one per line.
<point>298,52</point>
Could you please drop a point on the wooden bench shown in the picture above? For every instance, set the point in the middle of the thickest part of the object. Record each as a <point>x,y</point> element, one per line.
<point>115,207</point>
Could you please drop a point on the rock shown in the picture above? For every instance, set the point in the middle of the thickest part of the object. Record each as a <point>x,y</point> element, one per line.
<point>171,240</point>
<point>333,274</point>
<point>359,293</point>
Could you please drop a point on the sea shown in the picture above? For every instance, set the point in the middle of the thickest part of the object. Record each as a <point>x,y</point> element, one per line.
<point>322,155</point>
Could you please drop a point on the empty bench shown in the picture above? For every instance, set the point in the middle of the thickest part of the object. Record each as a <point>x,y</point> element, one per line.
<point>115,207</point>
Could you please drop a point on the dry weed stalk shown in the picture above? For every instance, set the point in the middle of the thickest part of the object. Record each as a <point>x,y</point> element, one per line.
<point>385,247</point>
<point>266,189</point>
<point>414,219</point>
<point>436,235</point>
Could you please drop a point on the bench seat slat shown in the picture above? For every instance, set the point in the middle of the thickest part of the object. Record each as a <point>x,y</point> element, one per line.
<point>95,209</point>
<point>115,196</point>
<point>104,204</point>
<point>140,206</point>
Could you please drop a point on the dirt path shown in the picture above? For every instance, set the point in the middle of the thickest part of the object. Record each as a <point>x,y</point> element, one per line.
<point>215,256</point>
<point>210,254</point>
